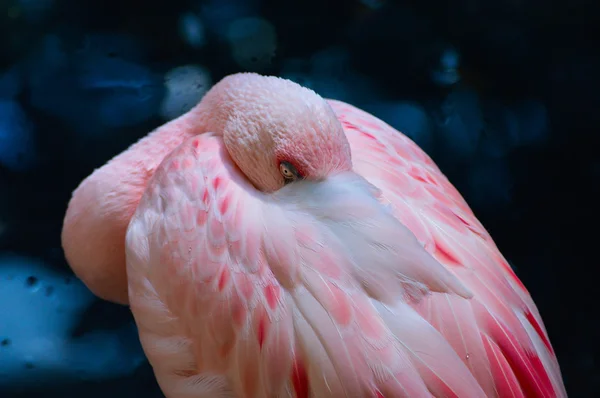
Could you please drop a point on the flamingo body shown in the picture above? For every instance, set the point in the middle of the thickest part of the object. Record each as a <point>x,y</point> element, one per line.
<point>375,280</point>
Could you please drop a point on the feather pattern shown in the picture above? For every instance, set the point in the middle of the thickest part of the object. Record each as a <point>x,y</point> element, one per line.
<point>378,282</point>
<point>499,333</point>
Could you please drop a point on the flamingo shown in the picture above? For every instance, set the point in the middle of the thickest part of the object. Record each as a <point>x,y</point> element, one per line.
<point>272,243</point>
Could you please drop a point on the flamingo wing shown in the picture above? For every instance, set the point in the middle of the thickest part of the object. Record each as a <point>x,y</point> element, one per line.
<point>498,334</point>
<point>238,293</point>
<point>187,291</point>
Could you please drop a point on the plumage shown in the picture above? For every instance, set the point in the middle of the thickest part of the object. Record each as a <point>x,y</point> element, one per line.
<point>366,279</point>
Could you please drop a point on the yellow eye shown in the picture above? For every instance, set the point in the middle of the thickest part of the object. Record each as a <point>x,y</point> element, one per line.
<point>287,171</point>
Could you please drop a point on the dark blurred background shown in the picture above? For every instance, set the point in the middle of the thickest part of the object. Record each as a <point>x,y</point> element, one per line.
<point>503,94</point>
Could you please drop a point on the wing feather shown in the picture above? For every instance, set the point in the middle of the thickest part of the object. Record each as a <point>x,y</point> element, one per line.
<point>499,333</point>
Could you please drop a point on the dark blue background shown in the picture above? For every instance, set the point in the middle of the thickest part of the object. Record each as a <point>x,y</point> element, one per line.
<point>503,94</point>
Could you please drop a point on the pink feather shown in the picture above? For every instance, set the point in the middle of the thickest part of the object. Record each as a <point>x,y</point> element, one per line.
<point>375,282</point>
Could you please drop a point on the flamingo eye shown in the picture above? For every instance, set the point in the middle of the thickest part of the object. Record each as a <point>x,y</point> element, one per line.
<point>288,172</point>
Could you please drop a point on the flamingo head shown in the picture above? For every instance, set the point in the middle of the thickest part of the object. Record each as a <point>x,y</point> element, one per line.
<point>276,131</point>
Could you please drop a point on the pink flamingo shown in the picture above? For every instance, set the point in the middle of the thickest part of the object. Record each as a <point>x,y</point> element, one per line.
<point>272,243</point>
